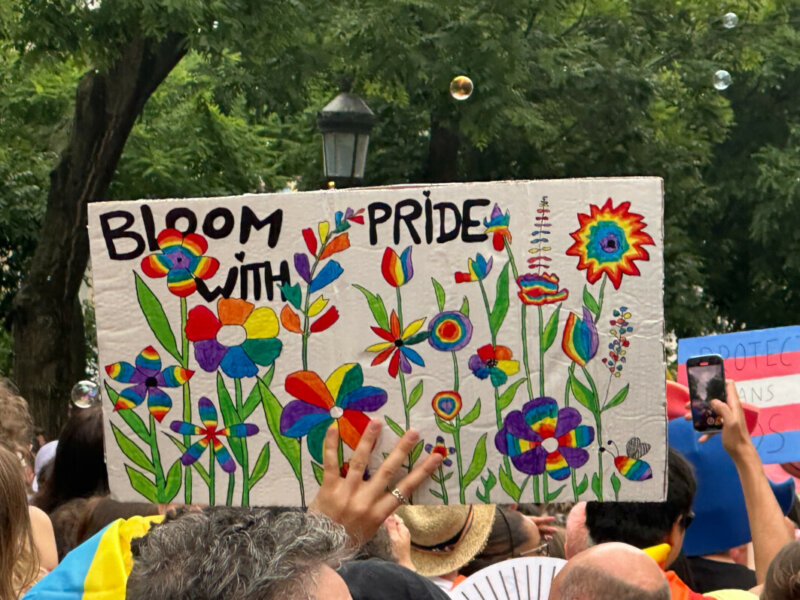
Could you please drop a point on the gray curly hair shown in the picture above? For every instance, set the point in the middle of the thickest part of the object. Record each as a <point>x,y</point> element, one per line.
<point>226,553</point>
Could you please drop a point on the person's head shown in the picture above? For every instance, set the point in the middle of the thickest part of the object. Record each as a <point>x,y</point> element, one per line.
<point>16,424</point>
<point>512,535</point>
<point>79,468</point>
<point>230,553</point>
<point>645,524</point>
<point>783,575</point>
<point>18,559</point>
<point>612,571</point>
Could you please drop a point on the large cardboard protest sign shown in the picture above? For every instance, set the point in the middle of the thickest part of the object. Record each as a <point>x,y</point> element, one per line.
<point>517,325</point>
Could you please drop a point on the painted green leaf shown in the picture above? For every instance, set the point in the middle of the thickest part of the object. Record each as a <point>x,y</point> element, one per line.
<point>394,426</point>
<point>318,471</point>
<point>142,484</point>
<point>156,317</point>
<point>261,467</point>
<point>132,451</point>
<point>582,393</point>
<point>484,494</point>
<point>447,476</point>
<point>254,398</point>
<point>436,494</point>
<point>507,397</point>
<point>444,426</point>
<point>292,294</point>
<point>464,307</point>
<point>581,487</point>
<point>615,483</point>
<point>473,414</point>
<point>289,447</point>
<point>591,303</point>
<point>417,338</point>
<point>415,395</point>
<point>550,330</point>
<point>230,417</point>
<point>597,486</point>
<point>376,306</point>
<point>553,495</point>
<point>618,398</point>
<point>477,463</point>
<point>508,485</point>
<point>440,297</point>
<point>133,420</point>
<point>417,450</point>
<point>500,308</point>
<point>173,484</point>
<point>196,465</point>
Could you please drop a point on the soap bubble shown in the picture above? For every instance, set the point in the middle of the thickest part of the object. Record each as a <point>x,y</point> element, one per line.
<point>722,80</point>
<point>85,394</point>
<point>461,87</point>
<point>730,20</point>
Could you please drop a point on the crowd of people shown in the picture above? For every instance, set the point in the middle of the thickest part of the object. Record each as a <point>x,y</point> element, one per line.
<point>62,537</point>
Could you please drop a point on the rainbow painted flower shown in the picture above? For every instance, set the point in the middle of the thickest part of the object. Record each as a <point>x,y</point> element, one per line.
<point>398,344</point>
<point>181,260</point>
<point>291,322</point>
<point>211,435</point>
<point>497,224</point>
<point>397,270</point>
<point>328,245</point>
<point>343,399</point>
<point>580,338</point>
<point>342,219</point>
<point>447,404</point>
<point>540,438</point>
<point>608,242</point>
<point>449,331</point>
<point>493,362</point>
<point>477,270</point>
<point>441,449</point>
<point>148,379</point>
<point>538,289</point>
<point>236,340</point>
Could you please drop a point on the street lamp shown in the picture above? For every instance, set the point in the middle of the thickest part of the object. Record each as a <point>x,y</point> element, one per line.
<point>345,123</point>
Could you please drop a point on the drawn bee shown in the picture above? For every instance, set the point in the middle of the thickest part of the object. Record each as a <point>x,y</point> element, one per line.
<point>631,466</point>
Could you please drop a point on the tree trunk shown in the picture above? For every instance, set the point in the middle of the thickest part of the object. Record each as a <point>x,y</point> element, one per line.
<point>443,150</point>
<point>46,318</point>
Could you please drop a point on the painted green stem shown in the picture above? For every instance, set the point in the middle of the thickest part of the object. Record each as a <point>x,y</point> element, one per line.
<point>401,376</point>
<point>445,499</point>
<point>573,477</point>
<point>187,401</point>
<point>231,485</point>
<point>598,429</point>
<point>300,475</point>
<point>156,455</point>
<point>212,476</point>
<point>245,456</point>
<point>488,311</point>
<point>306,318</point>
<point>455,372</point>
<point>457,440</point>
<point>524,332</point>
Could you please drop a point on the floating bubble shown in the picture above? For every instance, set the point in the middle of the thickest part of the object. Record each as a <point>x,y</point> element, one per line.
<point>730,20</point>
<point>85,394</point>
<point>722,80</point>
<point>215,25</point>
<point>461,87</point>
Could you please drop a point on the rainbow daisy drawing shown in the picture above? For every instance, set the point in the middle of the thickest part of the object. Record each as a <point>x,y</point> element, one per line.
<point>540,438</point>
<point>148,379</point>
<point>211,436</point>
<point>449,331</point>
<point>397,345</point>
<point>608,242</point>
<point>181,260</point>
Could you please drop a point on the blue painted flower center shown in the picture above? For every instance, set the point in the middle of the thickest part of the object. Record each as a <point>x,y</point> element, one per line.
<point>607,242</point>
<point>336,412</point>
<point>231,335</point>
<point>151,382</point>
<point>550,445</point>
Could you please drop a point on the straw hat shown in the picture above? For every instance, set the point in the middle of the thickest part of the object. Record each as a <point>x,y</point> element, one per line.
<point>445,538</point>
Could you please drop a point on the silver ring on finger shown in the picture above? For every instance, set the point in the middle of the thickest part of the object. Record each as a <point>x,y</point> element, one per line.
<point>399,496</point>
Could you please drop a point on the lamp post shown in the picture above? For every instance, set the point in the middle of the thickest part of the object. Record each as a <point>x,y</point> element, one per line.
<point>345,124</point>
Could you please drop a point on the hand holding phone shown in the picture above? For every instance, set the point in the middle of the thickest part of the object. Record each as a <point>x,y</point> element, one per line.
<point>706,382</point>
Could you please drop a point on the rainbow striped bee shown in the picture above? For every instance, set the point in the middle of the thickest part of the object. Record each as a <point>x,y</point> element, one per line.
<point>631,466</point>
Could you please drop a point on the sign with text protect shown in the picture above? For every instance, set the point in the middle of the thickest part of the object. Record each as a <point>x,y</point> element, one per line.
<point>516,325</point>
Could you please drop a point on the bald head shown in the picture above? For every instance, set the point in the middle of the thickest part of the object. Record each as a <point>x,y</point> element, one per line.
<point>612,571</point>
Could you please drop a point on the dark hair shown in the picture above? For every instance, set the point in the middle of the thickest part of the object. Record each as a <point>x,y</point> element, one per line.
<point>69,524</point>
<point>644,524</point>
<point>79,468</point>
<point>783,575</point>
<point>589,582</point>
<point>509,533</point>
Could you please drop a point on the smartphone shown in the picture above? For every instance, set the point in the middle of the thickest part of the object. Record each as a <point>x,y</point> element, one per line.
<point>706,382</point>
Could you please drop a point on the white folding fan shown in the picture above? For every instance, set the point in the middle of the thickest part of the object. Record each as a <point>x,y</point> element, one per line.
<point>514,579</point>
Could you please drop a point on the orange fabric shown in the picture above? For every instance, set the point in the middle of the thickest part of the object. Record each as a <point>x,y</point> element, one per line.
<point>679,590</point>
<point>458,580</point>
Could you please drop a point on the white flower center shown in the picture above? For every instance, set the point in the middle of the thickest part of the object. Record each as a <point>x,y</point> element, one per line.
<point>550,445</point>
<point>231,335</point>
<point>336,412</point>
